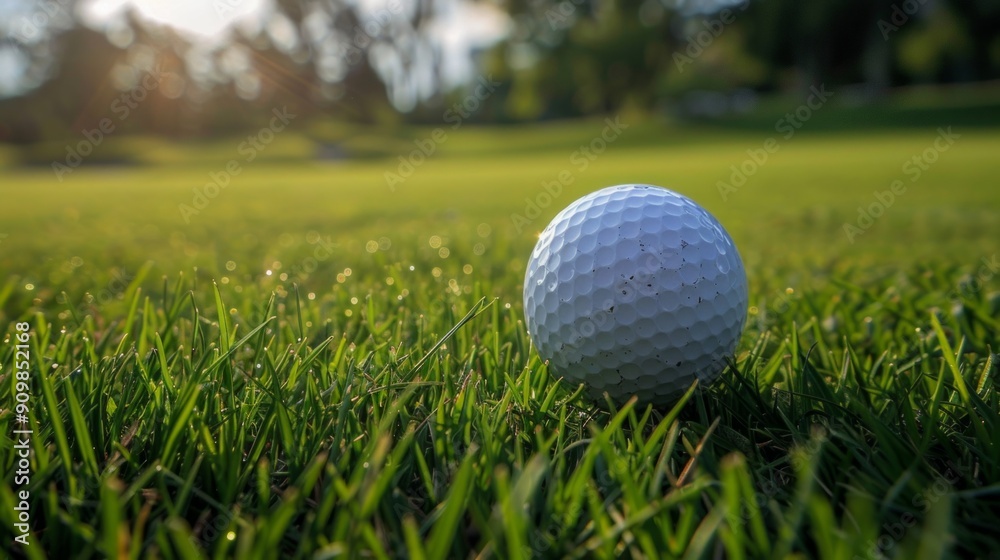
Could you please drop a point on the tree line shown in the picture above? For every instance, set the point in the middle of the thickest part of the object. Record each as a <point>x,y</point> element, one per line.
<point>559,58</point>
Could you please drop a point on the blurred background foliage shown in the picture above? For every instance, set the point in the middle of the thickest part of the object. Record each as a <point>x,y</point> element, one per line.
<point>66,64</point>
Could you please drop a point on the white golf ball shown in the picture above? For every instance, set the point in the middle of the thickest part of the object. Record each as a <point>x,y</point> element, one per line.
<point>635,290</point>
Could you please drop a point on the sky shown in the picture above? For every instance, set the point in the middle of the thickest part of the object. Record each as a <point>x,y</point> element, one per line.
<point>204,21</point>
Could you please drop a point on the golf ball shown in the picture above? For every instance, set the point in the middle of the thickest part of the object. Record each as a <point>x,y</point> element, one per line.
<point>635,290</point>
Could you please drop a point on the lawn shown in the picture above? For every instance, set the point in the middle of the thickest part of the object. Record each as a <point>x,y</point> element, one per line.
<point>314,364</point>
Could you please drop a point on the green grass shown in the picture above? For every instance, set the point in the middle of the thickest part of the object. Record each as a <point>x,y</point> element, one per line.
<point>315,366</point>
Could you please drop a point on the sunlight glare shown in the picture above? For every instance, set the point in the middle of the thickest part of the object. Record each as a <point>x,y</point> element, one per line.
<point>207,21</point>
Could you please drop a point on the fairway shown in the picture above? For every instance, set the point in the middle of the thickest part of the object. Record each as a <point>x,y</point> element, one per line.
<point>316,363</point>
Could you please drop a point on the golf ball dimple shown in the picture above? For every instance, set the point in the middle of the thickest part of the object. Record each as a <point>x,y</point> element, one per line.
<point>635,290</point>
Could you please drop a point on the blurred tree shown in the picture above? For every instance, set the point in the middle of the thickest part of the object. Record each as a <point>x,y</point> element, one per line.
<point>876,42</point>
<point>935,50</point>
<point>561,58</point>
<point>824,41</point>
<point>979,20</point>
<point>573,57</point>
<point>360,61</point>
<point>28,35</point>
<point>324,56</point>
